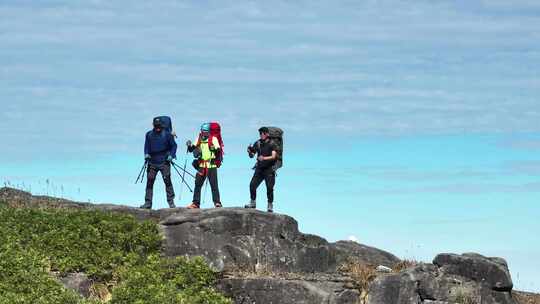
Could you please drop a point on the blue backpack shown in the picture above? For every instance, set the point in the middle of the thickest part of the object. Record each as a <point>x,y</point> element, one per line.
<point>166,123</point>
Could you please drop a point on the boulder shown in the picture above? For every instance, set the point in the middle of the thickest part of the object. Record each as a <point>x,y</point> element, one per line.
<point>78,282</point>
<point>491,271</point>
<point>344,250</point>
<point>393,289</point>
<point>429,283</point>
<point>246,239</point>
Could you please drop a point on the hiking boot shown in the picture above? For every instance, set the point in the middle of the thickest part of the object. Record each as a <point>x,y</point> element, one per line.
<point>171,204</point>
<point>252,204</point>
<point>270,207</point>
<point>146,206</point>
<point>193,206</point>
<point>218,205</point>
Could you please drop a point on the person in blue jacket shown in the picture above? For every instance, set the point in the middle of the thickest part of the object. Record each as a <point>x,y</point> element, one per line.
<point>159,151</point>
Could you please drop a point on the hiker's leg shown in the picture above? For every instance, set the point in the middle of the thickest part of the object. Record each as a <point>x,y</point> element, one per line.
<point>150,179</point>
<point>256,180</point>
<point>213,179</point>
<point>166,174</point>
<point>199,182</point>
<point>270,180</point>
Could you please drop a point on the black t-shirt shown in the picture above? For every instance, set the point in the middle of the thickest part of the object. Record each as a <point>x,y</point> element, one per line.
<point>265,148</point>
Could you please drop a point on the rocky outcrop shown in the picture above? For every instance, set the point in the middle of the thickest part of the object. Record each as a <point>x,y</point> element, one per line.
<point>248,240</point>
<point>468,278</point>
<point>265,259</point>
<point>490,271</point>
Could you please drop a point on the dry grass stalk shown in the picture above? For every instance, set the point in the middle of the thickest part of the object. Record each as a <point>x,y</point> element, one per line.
<point>526,298</point>
<point>361,274</point>
<point>404,264</point>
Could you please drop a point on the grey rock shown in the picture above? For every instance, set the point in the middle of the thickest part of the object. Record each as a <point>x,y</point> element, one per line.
<point>246,239</point>
<point>428,283</point>
<point>383,269</point>
<point>78,282</point>
<point>393,289</point>
<point>344,250</point>
<point>268,290</point>
<point>491,271</point>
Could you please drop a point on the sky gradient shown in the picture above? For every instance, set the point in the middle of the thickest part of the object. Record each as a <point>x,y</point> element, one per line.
<point>410,127</point>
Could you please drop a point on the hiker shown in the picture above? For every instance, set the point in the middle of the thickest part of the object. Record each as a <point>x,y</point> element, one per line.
<point>265,169</point>
<point>159,152</point>
<point>208,151</point>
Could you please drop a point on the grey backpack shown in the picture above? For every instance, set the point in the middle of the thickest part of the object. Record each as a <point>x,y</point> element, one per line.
<point>276,137</point>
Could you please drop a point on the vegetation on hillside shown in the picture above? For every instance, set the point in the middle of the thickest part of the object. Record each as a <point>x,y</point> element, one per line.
<point>119,253</point>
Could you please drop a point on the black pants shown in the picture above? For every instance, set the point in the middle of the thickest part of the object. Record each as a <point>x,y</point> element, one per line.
<point>152,172</point>
<point>269,177</point>
<point>199,182</point>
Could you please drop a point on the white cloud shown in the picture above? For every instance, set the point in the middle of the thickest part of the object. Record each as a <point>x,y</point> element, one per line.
<point>353,238</point>
<point>365,68</point>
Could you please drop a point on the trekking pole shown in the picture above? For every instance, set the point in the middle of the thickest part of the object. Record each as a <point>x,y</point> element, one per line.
<point>144,172</point>
<point>184,170</point>
<point>174,166</point>
<point>183,173</point>
<point>141,172</point>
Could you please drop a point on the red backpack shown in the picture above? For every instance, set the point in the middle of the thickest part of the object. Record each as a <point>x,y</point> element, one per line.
<point>215,131</point>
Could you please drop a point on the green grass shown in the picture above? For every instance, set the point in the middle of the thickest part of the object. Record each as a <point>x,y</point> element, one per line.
<point>114,250</point>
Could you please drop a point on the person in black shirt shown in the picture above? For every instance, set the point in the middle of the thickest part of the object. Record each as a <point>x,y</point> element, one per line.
<point>266,153</point>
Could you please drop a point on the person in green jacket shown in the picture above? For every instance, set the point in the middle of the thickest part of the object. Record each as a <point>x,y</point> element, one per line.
<point>208,149</point>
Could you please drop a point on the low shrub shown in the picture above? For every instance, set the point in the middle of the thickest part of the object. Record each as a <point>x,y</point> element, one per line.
<point>119,253</point>
<point>24,278</point>
<point>92,242</point>
<point>167,281</point>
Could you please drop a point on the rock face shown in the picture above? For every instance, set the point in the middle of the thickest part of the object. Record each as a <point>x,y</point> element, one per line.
<point>249,240</point>
<point>245,239</point>
<point>468,278</point>
<point>265,259</point>
<point>491,271</point>
<point>303,290</point>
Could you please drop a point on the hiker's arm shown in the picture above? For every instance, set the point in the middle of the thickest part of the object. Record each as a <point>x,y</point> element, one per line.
<point>272,157</point>
<point>172,144</point>
<point>252,150</point>
<point>191,146</point>
<point>146,145</point>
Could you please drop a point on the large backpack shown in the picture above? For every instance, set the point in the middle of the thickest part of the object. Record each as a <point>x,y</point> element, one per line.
<point>215,131</point>
<point>276,137</point>
<point>166,123</point>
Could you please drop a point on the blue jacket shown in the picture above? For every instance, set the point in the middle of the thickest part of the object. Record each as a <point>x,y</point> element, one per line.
<point>159,145</point>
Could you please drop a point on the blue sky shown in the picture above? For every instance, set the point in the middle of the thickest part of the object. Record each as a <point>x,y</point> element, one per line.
<point>412,127</point>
